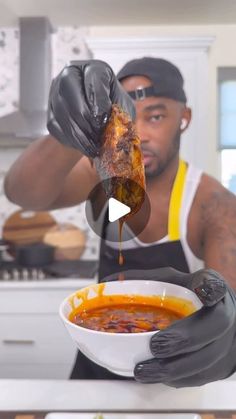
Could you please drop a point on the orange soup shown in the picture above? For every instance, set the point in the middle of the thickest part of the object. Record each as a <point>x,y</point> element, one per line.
<point>130,314</point>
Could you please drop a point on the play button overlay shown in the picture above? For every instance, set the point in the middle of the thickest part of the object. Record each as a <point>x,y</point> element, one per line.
<point>116,210</point>
<point>106,207</point>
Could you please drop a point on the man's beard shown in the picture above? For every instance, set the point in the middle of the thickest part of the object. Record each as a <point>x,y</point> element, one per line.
<point>164,162</point>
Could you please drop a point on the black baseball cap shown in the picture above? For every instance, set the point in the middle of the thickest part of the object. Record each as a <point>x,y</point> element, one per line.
<point>167,81</point>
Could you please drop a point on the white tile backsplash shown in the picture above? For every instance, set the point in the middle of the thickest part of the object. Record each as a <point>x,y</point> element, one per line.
<point>68,44</point>
<point>9,73</point>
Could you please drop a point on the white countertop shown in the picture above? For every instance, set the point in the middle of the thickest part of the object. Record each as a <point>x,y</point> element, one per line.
<point>88,395</point>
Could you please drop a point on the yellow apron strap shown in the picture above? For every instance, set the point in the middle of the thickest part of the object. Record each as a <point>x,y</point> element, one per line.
<point>175,202</point>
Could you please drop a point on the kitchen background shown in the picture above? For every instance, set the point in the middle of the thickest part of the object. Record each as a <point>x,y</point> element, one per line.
<point>72,41</point>
<point>67,44</point>
<point>198,36</point>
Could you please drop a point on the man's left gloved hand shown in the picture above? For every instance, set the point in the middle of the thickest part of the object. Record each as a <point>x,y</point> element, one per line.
<point>200,348</point>
<point>197,349</point>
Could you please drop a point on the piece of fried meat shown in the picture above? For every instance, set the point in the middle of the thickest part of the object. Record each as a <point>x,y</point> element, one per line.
<point>120,164</point>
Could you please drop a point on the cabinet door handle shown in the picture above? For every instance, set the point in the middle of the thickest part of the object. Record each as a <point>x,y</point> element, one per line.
<point>18,342</point>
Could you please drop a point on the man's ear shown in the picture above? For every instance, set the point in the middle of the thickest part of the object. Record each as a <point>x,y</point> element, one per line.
<point>185,118</point>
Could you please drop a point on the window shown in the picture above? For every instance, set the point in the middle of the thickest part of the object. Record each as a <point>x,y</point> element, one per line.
<point>227,125</point>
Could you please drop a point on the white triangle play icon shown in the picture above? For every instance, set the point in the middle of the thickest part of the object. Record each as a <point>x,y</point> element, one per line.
<point>116,209</point>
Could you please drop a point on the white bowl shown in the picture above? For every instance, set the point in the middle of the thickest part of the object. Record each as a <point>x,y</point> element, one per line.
<point>119,352</point>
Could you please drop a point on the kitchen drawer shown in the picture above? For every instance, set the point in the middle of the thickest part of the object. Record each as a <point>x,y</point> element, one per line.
<point>36,371</point>
<point>32,301</point>
<point>34,339</point>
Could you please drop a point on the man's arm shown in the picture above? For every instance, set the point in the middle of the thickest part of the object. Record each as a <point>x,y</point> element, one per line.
<point>49,175</point>
<point>219,231</point>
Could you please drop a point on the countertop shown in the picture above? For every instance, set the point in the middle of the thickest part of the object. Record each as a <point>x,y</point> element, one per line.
<point>102,396</point>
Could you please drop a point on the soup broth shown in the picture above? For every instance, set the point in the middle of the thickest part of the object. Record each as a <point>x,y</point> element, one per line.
<point>129,314</point>
<point>132,318</point>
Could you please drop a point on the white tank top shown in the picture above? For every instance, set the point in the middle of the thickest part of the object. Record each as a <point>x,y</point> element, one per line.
<point>192,179</point>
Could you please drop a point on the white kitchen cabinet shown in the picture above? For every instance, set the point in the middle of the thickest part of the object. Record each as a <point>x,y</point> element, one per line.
<point>33,340</point>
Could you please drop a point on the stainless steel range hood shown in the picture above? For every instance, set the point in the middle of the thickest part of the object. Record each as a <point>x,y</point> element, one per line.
<point>29,121</point>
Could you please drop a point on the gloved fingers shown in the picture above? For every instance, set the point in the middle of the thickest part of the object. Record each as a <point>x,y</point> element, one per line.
<point>73,135</point>
<point>102,89</point>
<point>182,366</point>
<point>203,377</point>
<point>69,87</point>
<point>97,80</point>
<point>208,285</point>
<point>195,331</point>
<point>71,91</point>
<point>75,131</point>
<point>224,368</point>
<point>59,108</point>
<point>54,128</point>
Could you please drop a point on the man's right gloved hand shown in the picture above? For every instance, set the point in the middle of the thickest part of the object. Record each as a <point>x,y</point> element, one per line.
<point>199,348</point>
<point>80,103</point>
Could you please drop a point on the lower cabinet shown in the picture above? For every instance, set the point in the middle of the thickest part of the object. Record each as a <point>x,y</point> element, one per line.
<point>33,340</point>
<point>35,371</point>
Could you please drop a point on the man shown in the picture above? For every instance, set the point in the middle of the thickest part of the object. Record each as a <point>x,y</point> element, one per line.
<point>55,172</point>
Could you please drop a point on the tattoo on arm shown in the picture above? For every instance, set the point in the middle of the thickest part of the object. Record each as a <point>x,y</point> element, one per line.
<point>219,221</point>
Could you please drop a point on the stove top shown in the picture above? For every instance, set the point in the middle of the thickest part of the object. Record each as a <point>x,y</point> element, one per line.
<point>11,271</point>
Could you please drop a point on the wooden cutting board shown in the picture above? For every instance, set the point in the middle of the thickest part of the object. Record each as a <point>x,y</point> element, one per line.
<point>68,239</point>
<point>27,227</point>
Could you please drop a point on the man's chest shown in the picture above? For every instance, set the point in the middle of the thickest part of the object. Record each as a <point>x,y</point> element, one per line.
<point>158,226</point>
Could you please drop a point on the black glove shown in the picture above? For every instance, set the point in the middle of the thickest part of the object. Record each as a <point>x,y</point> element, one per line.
<point>197,349</point>
<point>80,101</point>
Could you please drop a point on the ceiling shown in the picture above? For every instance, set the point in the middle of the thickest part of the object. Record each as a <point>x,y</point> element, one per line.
<point>122,12</point>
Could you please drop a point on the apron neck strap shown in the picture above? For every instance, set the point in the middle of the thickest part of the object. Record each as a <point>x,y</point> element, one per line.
<point>176,201</point>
